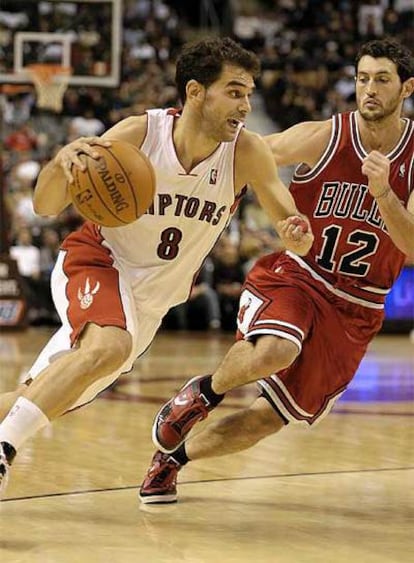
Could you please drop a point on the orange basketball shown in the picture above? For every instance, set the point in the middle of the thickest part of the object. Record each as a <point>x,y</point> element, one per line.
<point>115,189</point>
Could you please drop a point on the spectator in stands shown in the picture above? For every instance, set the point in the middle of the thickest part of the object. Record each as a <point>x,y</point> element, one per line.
<point>85,125</point>
<point>202,309</point>
<point>306,48</point>
<point>228,278</point>
<point>22,139</point>
<point>49,250</point>
<point>27,256</point>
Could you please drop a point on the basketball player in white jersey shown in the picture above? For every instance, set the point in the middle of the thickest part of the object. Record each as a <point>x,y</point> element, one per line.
<point>112,287</point>
<point>304,323</point>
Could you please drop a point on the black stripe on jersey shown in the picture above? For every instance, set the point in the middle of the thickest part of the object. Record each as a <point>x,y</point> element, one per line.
<point>355,136</point>
<point>403,142</point>
<point>396,151</point>
<point>410,183</point>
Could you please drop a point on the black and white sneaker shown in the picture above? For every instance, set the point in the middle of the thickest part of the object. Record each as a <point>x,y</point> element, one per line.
<point>7,454</point>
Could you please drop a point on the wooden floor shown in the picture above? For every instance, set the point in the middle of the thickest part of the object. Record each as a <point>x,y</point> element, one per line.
<point>342,492</point>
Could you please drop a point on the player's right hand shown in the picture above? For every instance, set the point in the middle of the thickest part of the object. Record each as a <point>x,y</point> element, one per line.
<point>296,234</point>
<point>70,154</point>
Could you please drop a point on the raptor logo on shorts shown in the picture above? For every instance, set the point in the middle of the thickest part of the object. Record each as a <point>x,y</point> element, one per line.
<point>86,297</point>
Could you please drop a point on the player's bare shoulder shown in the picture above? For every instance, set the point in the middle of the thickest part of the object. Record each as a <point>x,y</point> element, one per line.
<point>304,142</point>
<point>131,129</point>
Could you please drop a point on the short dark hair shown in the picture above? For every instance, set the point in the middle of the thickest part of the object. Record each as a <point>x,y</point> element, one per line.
<point>203,61</point>
<point>390,49</point>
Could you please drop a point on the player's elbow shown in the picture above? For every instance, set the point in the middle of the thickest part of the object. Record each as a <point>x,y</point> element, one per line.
<point>48,207</point>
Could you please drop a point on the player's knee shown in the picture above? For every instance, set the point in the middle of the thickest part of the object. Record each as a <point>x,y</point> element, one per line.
<point>274,354</point>
<point>114,354</point>
<point>105,356</point>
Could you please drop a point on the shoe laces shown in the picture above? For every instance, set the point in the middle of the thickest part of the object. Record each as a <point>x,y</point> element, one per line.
<point>162,469</point>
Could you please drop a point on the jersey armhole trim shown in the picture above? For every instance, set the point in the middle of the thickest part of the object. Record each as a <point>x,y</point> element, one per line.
<point>410,182</point>
<point>145,139</point>
<point>326,156</point>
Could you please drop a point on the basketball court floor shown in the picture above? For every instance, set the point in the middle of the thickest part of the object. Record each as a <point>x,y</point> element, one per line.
<point>340,492</point>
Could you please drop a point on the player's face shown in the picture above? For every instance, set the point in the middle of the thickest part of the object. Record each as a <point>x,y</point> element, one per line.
<point>378,88</point>
<point>227,103</point>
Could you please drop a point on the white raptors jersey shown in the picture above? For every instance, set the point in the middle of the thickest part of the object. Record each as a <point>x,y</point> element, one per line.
<point>161,252</point>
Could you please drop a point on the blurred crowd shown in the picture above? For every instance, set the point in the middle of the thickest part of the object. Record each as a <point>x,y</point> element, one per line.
<point>307,48</point>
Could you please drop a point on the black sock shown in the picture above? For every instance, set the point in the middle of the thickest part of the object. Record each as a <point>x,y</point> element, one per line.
<point>180,455</point>
<point>205,387</point>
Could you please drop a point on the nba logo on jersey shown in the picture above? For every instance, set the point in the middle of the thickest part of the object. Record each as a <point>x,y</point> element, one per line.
<point>402,171</point>
<point>213,176</point>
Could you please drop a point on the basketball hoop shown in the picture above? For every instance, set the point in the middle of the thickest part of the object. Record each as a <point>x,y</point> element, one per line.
<point>50,81</point>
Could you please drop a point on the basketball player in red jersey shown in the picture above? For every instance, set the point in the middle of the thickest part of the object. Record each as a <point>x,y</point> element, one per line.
<point>305,322</point>
<point>112,287</point>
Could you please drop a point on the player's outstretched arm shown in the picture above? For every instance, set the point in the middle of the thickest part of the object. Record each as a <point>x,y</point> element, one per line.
<point>304,142</point>
<point>255,164</point>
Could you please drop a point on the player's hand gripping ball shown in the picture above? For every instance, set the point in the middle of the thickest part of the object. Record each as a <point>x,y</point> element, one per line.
<point>295,234</point>
<point>115,189</point>
<point>299,222</point>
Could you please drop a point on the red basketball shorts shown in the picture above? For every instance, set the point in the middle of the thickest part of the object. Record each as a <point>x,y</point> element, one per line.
<point>88,286</point>
<point>281,298</point>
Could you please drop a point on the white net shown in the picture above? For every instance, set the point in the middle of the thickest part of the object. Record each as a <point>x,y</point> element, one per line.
<point>50,81</point>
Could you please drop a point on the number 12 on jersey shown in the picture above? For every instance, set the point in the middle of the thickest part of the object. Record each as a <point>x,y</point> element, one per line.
<point>351,263</point>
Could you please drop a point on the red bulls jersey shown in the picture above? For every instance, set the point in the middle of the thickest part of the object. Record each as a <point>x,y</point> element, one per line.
<point>353,251</point>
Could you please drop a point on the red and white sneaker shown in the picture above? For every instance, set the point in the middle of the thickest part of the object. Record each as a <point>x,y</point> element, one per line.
<point>160,483</point>
<point>177,417</point>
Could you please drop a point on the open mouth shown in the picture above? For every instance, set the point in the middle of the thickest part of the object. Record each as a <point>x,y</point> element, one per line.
<point>234,123</point>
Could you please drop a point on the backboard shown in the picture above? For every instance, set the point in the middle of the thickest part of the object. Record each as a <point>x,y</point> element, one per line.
<point>82,34</point>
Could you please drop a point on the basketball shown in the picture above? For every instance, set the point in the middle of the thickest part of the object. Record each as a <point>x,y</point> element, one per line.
<point>115,189</point>
<point>299,222</point>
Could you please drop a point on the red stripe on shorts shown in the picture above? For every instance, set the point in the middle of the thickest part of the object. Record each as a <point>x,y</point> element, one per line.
<point>93,284</point>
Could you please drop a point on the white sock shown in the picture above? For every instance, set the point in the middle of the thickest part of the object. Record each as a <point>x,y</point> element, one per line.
<point>23,421</point>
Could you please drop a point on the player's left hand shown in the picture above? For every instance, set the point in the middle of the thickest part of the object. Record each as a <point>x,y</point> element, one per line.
<point>376,167</point>
<point>296,234</point>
